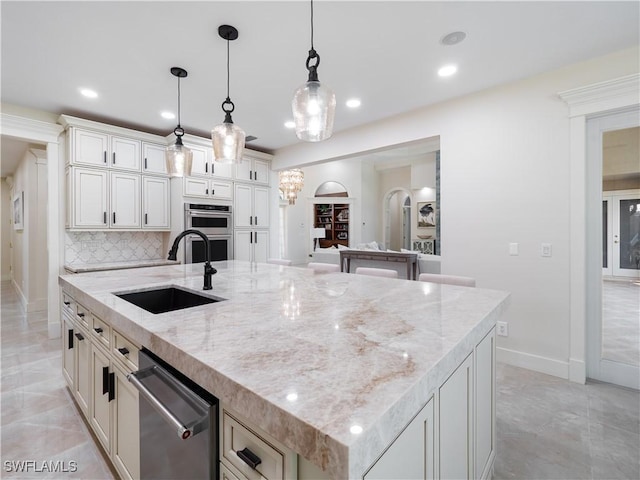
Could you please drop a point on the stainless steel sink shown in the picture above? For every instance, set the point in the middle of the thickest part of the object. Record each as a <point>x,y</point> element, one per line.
<point>166,299</point>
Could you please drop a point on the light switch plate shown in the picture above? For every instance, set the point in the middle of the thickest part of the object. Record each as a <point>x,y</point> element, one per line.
<point>545,250</point>
<point>513,249</point>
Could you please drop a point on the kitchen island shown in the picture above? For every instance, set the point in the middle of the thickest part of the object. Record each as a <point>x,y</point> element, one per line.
<point>336,367</point>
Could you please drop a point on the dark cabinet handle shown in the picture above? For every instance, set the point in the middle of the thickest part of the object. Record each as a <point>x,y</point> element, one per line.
<point>112,386</point>
<point>255,175</point>
<point>114,158</point>
<point>213,169</point>
<point>104,218</point>
<point>146,218</point>
<point>81,314</point>
<point>206,168</point>
<point>114,218</point>
<point>124,351</point>
<point>67,303</point>
<point>145,163</point>
<point>206,191</point>
<point>105,380</point>
<point>213,192</point>
<point>97,330</point>
<point>250,220</point>
<point>248,457</point>
<point>70,342</point>
<point>255,220</point>
<point>105,156</point>
<point>79,336</point>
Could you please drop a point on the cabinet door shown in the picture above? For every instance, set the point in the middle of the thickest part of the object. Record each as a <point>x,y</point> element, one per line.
<point>100,404</point>
<point>260,246</point>
<point>195,187</point>
<point>125,153</point>
<point>155,202</point>
<point>90,198</point>
<point>260,206</point>
<point>456,423</point>
<point>221,189</point>
<point>261,171</point>
<point>242,211</point>
<point>243,242</point>
<point>83,369</point>
<point>222,170</point>
<point>90,148</point>
<point>68,352</point>
<point>125,200</point>
<point>153,158</point>
<point>412,454</point>
<point>485,405</point>
<point>244,170</point>
<point>126,427</point>
<point>200,164</point>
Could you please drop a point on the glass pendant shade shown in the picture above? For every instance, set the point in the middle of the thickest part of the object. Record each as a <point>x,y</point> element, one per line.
<point>179,159</point>
<point>314,107</point>
<point>228,143</point>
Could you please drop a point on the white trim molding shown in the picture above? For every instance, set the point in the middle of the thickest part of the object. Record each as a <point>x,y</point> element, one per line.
<point>29,129</point>
<point>591,100</point>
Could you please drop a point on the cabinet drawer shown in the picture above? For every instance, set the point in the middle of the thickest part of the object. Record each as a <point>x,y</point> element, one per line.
<point>124,351</point>
<point>68,305</point>
<point>226,474</point>
<point>236,437</point>
<point>82,315</point>
<point>101,331</point>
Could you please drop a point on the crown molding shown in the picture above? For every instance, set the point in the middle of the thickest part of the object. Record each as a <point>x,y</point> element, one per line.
<point>29,129</point>
<point>603,96</point>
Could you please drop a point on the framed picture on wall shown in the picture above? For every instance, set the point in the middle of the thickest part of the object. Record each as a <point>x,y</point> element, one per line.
<point>18,211</point>
<point>426,214</point>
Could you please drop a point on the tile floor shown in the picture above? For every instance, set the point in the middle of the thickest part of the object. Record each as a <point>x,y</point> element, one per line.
<point>547,428</point>
<point>621,321</point>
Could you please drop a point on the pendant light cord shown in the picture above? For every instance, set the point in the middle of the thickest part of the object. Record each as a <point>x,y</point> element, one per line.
<point>178,101</point>
<point>312,25</point>
<point>227,69</point>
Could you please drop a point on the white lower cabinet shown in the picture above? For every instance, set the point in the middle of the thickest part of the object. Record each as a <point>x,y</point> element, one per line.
<point>455,419</point>
<point>251,245</point>
<point>126,427</point>
<point>95,367</point>
<point>101,397</point>
<point>485,406</point>
<point>412,454</point>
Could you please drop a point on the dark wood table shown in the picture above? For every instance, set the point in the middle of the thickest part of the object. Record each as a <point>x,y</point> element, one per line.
<point>411,259</point>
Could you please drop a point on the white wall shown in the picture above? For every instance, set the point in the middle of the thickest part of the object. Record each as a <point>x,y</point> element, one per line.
<point>504,178</point>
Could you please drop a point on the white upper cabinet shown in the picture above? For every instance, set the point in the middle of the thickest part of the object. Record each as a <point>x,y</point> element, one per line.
<point>251,169</point>
<point>125,200</point>
<point>222,170</point>
<point>89,198</point>
<point>200,163</point>
<point>89,148</point>
<point>155,203</point>
<point>153,158</point>
<point>125,154</point>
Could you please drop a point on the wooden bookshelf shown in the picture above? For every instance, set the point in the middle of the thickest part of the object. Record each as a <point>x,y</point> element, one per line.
<point>334,218</point>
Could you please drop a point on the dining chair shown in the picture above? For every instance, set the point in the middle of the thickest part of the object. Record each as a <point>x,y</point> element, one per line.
<point>377,272</point>
<point>323,267</point>
<point>447,279</point>
<point>279,261</point>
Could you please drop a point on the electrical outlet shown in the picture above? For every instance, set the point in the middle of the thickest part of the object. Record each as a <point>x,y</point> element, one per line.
<point>502,329</point>
<point>513,249</point>
<point>545,250</point>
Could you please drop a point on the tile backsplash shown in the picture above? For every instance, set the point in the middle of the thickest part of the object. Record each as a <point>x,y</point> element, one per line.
<point>108,247</point>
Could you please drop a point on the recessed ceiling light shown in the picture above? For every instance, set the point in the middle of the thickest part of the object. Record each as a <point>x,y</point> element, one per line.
<point>87,92</point>
<point>447,70</point>
<point>168,115</point>
<point>353,103</point>
<point>290,124</point>
<point>453,38</point>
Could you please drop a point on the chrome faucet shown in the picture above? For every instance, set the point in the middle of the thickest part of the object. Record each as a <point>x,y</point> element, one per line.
<point>208,269</point>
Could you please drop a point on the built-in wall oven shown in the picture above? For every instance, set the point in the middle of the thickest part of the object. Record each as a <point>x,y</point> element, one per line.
<point>215,221</point>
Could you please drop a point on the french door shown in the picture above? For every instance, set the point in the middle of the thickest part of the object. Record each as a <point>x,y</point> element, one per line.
<point>621,233</point>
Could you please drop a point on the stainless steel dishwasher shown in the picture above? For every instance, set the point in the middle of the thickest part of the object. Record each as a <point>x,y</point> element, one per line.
<point>178,423</point>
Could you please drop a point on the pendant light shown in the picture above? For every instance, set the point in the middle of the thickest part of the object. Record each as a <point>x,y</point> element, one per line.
<point>177,156</point>
<point>313,104</point>
<point>228,139</point>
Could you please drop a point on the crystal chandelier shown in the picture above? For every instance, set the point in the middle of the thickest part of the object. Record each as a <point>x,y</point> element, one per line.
<point>291,182</point>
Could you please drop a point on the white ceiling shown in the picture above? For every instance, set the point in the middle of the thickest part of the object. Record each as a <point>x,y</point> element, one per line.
<point>385,53</point>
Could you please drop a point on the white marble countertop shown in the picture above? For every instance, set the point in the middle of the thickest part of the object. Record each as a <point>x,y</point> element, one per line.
<point>306,357</point>
<point>98,267</point>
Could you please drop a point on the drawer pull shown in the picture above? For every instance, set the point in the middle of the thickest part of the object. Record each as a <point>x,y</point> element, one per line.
<point>248,457</point>
<point>124,351</point>
<point>105,380</point>
<point>79,336</point>
<point>81,314</point>
<point>97,330</point>
<point>67,303</point>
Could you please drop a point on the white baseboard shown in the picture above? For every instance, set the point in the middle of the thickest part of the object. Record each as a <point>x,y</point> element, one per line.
<point>37,305</point>
<point>577,371</point>
<point>21,297</point>
<point>536,363</point>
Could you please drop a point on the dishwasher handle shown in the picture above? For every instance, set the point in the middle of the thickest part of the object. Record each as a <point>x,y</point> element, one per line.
<point>184,431</point>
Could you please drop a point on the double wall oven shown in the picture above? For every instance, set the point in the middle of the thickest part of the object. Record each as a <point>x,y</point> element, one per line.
<point>215,221</point>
